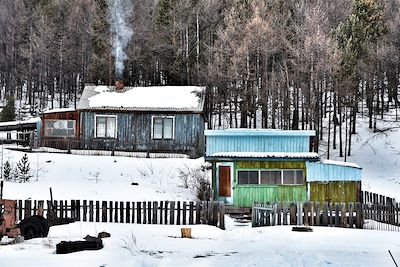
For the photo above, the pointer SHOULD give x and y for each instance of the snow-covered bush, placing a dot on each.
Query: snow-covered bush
(23, 169)
(197, 179)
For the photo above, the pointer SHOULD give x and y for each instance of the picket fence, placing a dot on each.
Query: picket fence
(143, 212)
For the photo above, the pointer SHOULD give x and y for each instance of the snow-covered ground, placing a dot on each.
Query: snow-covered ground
(152, 245)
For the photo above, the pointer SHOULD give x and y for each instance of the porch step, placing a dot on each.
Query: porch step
(235, 210)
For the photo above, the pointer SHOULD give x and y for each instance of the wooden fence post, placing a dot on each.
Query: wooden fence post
(359, 220)
(155, 211)
(91, 211)
(172, 213)
(104, 211)
(121, 212)
(325, 218)
(110, 211)
(128, 212)
(139, 212)
(191, 210)
(97, 209)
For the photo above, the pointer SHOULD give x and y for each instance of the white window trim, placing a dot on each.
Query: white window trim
(162, 117)
(116, 125)
(259, 176)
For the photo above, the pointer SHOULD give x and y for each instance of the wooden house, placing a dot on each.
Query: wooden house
(275, 165)
(164, 119)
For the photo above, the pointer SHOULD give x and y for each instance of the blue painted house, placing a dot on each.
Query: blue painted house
(275, 165)
(162, 119)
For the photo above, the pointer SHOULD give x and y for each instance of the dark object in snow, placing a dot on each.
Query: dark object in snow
(33, 227)
(134, 183)
(302, 229)
(103, 235)
(90, 243)
(48, 161)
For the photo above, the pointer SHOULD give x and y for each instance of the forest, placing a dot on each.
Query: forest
(288, 64)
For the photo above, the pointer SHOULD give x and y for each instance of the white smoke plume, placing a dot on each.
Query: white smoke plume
(119, 13)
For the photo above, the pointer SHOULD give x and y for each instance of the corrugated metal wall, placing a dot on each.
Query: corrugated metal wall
(136, 128)
(320, 172)
(217, 144)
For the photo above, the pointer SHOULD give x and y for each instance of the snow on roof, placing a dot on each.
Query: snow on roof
(57, 110)
(340, 163)
(163, 98)
(29, 121)
(258, 132)
(270, 155)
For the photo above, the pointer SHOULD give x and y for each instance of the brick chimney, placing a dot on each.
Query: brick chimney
(119, 85)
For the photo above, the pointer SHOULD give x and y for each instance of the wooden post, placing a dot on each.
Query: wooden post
(155, 211)
(359, 218)
(133, 212)
(78, 209)
(139, 212)
(121, 212)
(85, 211)
(166, 213)
(337, 218)
(161, 208)
(97, 211)
(343, 213)
(325, 218)
(172, 213)
(28, 208)
(186, 232)
(128, 212)
(104, 211)
(111, 203)
(144, 213)
(198, 212)
(116, 211)
(351, 219)
(279, 213)
(149, 212)
(191, 210)
(222, 215)
(284, 213)
(90, 210)
(41, 208)
(306, 208)
(62, 209)
(292, 214)
(178, 213)
(317, 214)
(184, 207)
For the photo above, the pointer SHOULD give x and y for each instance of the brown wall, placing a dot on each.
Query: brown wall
(69, 115)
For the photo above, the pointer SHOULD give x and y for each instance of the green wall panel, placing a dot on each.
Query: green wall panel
(245, 195)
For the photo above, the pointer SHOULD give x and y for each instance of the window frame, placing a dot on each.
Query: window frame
(106, 116)
(60, 136)
(281, 177)
(162, 118)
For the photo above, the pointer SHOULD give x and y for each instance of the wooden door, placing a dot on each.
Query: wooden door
(224, 181)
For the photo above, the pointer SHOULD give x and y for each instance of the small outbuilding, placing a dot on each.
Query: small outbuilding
(261, 165)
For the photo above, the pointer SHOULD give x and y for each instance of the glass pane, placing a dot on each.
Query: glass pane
(157, 128)
(243, 177)
(111, 124)
(253, 177)
(100, 127)
(71, 124)
(168, 128)
(59, 132)
(270, 177)
(299, 177)
(288, 177)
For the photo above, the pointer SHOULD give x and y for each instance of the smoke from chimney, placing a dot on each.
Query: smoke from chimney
(119, 13)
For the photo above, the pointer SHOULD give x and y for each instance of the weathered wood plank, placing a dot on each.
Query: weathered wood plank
(84, 211)
(155, 212)
(116, 211)
(121, 212)
(139, 212)
(172, 213)
(325, 211)
(184, 207)
(198, 211)
(343, 215)
(111, 208)
(133, 212)
(128, 212)
(317, 214)
(90, 210)
(104, 211)
(149, 213)
(97, 211)
(191, 212)
(144, 213)
(337, 218)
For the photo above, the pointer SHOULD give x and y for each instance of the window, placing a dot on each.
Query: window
(271, 177)
(163, 128)
(106, 126)
(247, 177)
(59, 128)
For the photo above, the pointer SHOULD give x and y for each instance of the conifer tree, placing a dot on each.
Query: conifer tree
(7, 171)
(24, 169)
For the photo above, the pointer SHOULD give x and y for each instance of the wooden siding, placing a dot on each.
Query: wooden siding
(134, 129)
(335, 191)
(245, 195)
(216, 144)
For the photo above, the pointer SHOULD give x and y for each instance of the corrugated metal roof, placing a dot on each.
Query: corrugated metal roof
(258, 132)
(91, 91)
(266, 155)
(326, 172)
